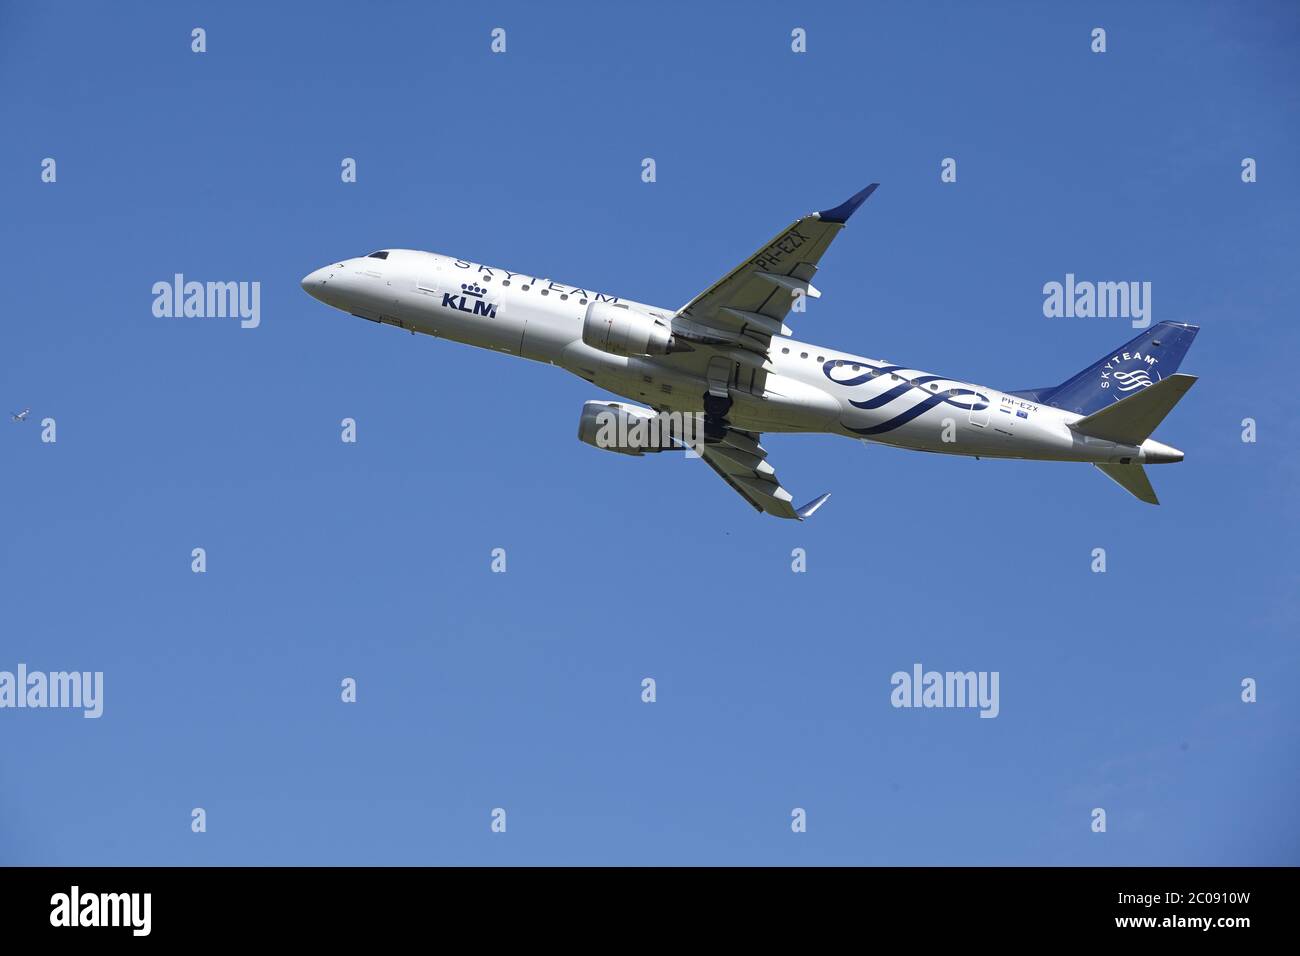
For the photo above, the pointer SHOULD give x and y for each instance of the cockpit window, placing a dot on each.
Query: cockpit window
(383, 254)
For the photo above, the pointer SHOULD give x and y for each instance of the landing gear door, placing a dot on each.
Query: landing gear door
(719, 375)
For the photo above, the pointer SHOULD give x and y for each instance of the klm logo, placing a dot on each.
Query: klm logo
(470, 293)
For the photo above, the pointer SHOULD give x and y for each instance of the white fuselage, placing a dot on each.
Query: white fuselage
(807, 388)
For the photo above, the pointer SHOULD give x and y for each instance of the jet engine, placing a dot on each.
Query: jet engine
(626, 429)
(619, 329)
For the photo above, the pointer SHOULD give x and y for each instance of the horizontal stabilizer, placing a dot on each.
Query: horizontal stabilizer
(1133, 479)
(1133, 419)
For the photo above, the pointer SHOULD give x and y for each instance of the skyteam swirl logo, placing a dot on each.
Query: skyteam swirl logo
(966, 399)
(1128, 381)
(1140, 373)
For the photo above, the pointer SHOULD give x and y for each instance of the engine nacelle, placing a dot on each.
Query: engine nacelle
(619, 329)
(626, 429)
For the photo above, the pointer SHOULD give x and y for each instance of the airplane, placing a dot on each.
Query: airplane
(727, 358)
(20, 416)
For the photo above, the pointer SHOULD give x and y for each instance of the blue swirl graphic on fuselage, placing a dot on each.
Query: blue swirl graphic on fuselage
(977, 403)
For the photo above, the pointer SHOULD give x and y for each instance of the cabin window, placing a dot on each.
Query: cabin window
(505, 281)
(785, 351)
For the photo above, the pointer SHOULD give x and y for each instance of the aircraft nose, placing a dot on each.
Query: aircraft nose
(314, 282)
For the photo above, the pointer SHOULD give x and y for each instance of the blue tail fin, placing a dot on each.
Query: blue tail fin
(1145, 360)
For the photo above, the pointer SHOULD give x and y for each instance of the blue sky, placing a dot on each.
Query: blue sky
(522, 690)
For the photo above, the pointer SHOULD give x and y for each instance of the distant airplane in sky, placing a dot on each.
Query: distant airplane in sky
(726, 357)
(21, 416)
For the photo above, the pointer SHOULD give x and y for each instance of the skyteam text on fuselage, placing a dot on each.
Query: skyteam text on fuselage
(727, 358)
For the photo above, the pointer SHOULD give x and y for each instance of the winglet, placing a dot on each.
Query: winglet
(845, 209)
(807, 510)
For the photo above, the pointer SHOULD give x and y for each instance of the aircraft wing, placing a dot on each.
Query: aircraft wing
(741, 312)
(742, 462)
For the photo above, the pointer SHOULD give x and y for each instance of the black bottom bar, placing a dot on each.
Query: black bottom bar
(206, 905)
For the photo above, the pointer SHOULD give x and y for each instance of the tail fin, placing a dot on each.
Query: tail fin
(1133, 479)
(1134, 419)
(1144, 361)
